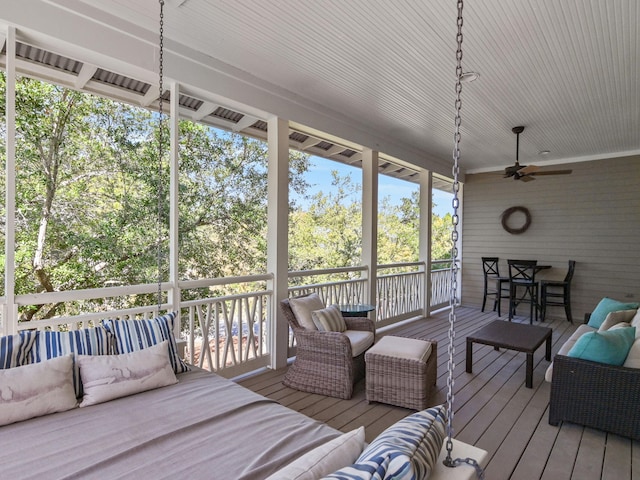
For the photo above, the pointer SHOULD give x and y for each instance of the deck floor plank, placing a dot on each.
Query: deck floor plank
(493, 408)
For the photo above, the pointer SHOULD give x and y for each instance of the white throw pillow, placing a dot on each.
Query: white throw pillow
(37, 389)
(107, 377)
(302, 308)
(327, 458)
(614, 318)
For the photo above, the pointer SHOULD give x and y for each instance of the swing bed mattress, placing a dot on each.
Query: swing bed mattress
(204, 426)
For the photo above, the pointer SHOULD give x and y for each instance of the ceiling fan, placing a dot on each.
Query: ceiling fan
(527, 172)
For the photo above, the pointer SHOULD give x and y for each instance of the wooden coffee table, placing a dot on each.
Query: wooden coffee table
(512, 336)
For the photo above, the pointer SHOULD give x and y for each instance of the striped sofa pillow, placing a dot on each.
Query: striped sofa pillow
(85, 341)
(329, 319)
(15, 349)
(133, 335)
(407, 450)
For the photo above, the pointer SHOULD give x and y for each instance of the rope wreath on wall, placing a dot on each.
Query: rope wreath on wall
(510, 211)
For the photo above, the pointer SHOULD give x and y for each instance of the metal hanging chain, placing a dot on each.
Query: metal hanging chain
(453, 297)
(160, 151)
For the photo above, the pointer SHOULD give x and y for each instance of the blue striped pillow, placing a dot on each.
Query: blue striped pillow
(85, 341)
(407, 450)
(14, 349)
(133, 335)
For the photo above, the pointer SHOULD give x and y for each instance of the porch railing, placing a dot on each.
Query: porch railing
(226, 322)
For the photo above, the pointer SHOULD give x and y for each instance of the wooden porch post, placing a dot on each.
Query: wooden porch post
(9, 310)
(370, 223)
(424, 235)
(173, 294)
(278, 235)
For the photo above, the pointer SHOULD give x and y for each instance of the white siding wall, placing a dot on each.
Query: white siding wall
(591, 216)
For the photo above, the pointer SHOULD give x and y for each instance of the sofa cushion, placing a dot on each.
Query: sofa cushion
(302, 308)
(401, 347)
(360, 340)
(606, 306)
(633, 357)
(614, 318)
(329, 319)
(610, 347)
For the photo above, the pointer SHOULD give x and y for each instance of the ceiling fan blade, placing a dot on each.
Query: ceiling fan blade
(527, 178)
(527, 169)
(552, 172)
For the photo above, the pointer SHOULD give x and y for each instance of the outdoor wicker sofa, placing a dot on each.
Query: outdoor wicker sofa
(597, 394)
(324, 362)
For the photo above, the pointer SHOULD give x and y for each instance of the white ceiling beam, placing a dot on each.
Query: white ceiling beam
(309, 142)
(245, 122)
(151, 96)
(206, 109)
(86, 72)
(336, 149)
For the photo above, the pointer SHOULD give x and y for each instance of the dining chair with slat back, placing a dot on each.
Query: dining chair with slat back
(557, 293)
(495, 285)
(523, 287)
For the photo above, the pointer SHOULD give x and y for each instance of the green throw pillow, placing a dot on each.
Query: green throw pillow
(605, 307)
(610, 347)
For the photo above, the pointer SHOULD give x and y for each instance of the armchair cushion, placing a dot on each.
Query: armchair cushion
(302, 307)
(329, 319)
(360, 341)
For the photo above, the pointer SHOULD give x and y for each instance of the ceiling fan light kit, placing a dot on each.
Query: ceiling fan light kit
(527, 172)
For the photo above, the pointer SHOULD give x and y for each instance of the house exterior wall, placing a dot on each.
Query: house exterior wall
(591, 216)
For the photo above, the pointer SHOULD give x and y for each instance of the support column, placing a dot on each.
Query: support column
(278, 235)
(10, 310)
(370, 223)
(424, 235)
(173, 294)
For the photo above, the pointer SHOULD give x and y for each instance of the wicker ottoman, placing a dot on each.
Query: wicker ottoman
(401, 371)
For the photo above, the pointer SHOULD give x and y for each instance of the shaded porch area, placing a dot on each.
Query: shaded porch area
(493, 409)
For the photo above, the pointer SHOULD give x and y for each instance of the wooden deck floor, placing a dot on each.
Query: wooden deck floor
(493, 409)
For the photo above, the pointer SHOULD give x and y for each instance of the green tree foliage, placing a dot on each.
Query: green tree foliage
(88, 188)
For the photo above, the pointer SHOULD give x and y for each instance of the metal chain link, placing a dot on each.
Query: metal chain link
(160, 151)
(453, 298)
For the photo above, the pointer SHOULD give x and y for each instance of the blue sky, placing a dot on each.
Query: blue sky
(319, 178)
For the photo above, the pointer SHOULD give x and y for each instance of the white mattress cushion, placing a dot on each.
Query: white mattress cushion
(360, 340)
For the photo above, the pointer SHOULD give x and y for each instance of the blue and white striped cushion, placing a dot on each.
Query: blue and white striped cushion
(408, 450)
(85, 341)
(14, 349)
(133, 335)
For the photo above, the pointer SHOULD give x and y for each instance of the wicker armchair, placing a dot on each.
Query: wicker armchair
(595, 395)
(324, 363)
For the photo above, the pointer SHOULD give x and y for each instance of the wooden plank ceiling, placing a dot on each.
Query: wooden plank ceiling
(567, 70)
